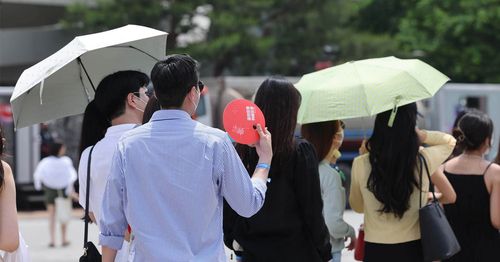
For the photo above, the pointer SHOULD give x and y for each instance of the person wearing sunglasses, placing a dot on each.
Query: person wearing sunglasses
(173, 201)
(118, 106)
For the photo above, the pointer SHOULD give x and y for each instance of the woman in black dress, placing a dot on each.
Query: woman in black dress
(475, 216)
(290, 226)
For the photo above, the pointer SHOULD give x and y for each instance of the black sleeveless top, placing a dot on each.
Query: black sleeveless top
(469, 218)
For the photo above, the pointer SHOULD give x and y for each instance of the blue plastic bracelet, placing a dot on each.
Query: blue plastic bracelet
(263, 165)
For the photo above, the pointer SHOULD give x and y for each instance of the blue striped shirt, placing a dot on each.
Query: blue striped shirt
(167, 180)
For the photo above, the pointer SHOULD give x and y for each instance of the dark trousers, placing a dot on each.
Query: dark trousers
(407, 252)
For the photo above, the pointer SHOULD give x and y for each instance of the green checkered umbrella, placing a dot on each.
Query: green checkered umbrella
(365, 88)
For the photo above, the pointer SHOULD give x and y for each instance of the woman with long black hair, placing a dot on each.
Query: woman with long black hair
(118, 106)
(290, 226)
(385, 184)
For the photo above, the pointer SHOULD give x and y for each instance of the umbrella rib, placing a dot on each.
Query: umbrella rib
(363, 88)
(140, 50)
(86, 73)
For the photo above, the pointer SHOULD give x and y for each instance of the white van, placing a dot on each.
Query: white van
(442, 109)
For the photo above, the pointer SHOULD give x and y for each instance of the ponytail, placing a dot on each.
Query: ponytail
(152, 106)
(94, 126)
(462, 141)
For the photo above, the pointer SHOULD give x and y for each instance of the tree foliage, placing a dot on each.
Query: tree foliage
(172, 16)
(459, 37)
(246, 37)
(289, 36)
(382, 16)
(285, 36)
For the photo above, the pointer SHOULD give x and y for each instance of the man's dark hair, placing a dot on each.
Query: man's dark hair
(173, 78)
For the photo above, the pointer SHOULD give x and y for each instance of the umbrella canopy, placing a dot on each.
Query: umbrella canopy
(64, 83)
(365, 88)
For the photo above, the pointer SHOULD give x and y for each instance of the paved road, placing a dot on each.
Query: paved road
(34, 227)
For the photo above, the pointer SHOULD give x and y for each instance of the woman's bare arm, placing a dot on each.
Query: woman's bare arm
(448, 195)
(9, 229)
(494, 173)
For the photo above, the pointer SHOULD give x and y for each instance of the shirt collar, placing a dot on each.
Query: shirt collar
(324, 161)
(167, 114)
(119, 129)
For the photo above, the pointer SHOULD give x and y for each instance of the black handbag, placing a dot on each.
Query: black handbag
(438, 239)
(90, 252)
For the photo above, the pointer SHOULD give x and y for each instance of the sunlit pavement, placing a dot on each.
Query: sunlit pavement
(35, 229)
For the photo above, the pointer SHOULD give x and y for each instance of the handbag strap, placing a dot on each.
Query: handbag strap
(87, 217)
(423, 163)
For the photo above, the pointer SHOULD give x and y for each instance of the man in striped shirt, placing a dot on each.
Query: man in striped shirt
(169, 177)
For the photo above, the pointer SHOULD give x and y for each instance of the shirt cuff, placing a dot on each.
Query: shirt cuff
(352, 232)
(260, 184)
(113, 242)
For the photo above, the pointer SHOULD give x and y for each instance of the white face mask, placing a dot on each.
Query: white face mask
(196, 104)
(144, 102)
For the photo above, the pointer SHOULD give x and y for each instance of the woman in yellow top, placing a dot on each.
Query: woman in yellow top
(385, 184)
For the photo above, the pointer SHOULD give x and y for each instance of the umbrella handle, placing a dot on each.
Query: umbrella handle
(390, 123)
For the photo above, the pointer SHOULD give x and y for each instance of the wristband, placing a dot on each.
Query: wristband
(263, 166)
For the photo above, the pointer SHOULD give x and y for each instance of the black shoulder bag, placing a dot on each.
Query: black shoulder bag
(90, 252)
(438, 239)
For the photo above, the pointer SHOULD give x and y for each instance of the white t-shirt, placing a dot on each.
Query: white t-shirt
(55, 173)
(99, 168)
